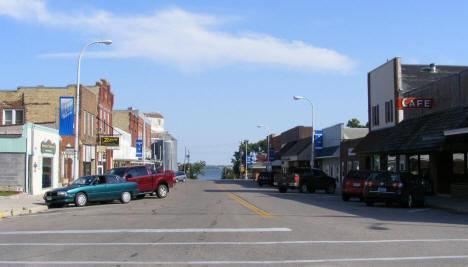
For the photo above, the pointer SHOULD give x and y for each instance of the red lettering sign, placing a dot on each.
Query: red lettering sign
(414, 103)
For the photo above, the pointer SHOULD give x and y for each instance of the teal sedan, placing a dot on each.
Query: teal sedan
(90, 189)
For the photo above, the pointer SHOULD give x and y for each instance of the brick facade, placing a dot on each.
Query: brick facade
(41, 106)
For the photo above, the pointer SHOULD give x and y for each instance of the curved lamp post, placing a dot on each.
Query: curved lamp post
(77, 163)
(312, 146)
(268, 139)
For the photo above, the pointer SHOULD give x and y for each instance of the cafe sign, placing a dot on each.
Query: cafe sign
(110, 141)
(48, 147)
(414, 103)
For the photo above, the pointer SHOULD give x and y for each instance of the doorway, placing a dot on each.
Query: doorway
(46, 172)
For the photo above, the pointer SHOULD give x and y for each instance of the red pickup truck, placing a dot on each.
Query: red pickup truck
(147, 180)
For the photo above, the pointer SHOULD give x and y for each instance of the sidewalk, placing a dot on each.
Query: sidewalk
(21, 204)
(447, 203)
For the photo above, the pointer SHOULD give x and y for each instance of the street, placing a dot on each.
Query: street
(236, 223)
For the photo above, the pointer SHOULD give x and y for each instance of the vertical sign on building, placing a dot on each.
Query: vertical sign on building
(66, 115)
(318, 140)
(139, 148)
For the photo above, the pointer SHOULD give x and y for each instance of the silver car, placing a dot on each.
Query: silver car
(180, 176)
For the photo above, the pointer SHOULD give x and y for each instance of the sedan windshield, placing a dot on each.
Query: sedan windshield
(83, 180)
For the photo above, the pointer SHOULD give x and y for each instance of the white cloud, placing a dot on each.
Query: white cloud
(189, 41)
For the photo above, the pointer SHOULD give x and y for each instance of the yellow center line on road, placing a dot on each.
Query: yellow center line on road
(246, 204)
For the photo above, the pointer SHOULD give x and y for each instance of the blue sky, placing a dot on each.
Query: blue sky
(216, 69)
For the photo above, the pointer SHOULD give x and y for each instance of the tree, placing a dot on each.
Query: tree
(193, 169)
(239, 155)
(354, 123)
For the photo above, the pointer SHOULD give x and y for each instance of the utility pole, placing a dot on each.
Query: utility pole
(246, 166)
(188, 161)
(185, 156)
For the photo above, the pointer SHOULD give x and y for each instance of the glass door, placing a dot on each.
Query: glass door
(46, 172)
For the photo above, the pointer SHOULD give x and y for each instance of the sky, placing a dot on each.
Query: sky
(217, 69)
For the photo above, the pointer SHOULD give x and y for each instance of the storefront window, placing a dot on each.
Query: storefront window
(376, 163)
(46, 172)
(391, 163)
(458, 163)
(355, 165)
(424, 165)
(413, 164)
(402, 162)
(86, 168)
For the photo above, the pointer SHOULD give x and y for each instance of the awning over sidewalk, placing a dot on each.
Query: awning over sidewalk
(328, 152)
(298, 151)
(419, 134)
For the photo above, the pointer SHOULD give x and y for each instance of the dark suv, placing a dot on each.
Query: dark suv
(389, 187)
(307, 180)
(265, 178)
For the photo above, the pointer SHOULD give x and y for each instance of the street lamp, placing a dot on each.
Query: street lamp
(77, 164)
(268, 140)
(312, 146)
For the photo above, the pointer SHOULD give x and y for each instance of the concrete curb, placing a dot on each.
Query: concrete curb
(23, 211)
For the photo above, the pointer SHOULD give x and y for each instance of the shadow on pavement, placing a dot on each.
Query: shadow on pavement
(354, 208)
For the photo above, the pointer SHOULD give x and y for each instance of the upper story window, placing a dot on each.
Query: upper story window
(375, 115)
(389, 111)
(13, 116)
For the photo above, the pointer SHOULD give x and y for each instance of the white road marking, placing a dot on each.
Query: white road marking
(186, 230)
(422, 258)
(239, 243)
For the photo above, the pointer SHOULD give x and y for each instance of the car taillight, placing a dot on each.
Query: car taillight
(368, 183)
(296, 178)
(397, 185)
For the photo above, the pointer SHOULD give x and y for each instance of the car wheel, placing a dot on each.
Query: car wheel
(283, 189)
(303, 188)
(311, 189)
(81, 199)
(361, 199)
(126, 197)
(369, 203)
(345, 197)
(330, 189)
(409, 201)
(161, 191)
(260, 184)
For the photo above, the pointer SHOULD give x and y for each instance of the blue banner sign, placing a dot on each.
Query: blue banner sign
(139, 148)
(318, 140)
(249, 159)
(66, 115)
(272, 154)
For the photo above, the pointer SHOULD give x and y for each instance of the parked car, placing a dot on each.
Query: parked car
(353, 183)
(389, 187)
(180, 176)
(90, 189)
(265, 178)
(148, 180)
(306, 180)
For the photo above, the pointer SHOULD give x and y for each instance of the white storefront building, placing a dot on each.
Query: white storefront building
(29, 158)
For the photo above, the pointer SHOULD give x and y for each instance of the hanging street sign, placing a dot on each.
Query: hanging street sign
(139, 148)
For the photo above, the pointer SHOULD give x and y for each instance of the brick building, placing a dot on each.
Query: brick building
(105, 104)
(135, 123)
(40, 105)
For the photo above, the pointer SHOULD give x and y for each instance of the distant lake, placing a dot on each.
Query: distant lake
(211, 174)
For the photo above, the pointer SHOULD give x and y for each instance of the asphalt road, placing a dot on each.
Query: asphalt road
(236, 223)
